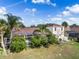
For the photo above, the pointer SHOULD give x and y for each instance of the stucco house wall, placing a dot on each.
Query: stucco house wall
(58, 30)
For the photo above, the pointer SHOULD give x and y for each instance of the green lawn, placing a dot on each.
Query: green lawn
(65, 51)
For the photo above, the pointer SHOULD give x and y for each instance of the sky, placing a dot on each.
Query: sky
(35, 12)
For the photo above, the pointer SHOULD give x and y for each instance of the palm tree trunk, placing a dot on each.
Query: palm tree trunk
(10, 36)
(3, 45)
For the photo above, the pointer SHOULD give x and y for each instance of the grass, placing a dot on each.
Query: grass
(66, 51)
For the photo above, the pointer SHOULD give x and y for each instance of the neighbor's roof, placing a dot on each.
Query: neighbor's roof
(24, 31)
(74, 28)
(49, 25)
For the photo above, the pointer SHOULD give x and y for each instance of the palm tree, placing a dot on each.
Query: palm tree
(3, 27)
(13, 21)
(21, 25)
(65, 24)
(47, 33)
(43, 29)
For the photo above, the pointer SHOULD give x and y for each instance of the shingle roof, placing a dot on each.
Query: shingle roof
(74, 28)
(48, 25)
(24, 31)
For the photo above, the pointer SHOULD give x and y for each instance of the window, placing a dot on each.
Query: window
(61, 28)
(55, 28)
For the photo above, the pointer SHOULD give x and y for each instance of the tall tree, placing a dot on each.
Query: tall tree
(65, 24)
(21, 25)
(13, 21)
(74, 25)
(3, 27)
(42, 28)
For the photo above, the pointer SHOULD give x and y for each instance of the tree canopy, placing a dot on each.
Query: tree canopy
(65, 24)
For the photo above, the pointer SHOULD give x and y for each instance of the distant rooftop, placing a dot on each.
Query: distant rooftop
(54, 25)
(25, 31)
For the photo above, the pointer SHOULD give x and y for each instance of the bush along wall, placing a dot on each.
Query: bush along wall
(18, 44)
(40, 40)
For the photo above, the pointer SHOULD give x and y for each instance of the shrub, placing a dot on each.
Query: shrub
(44, 41)
(36, 41)
(1, 51)
(17, 44)
(52, 39)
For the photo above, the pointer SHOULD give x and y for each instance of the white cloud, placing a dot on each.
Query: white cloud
(70, 11)
(3, 10)
(33, 21)
(40, 20)
(74, 19)
(56, 19)
(30, 11)
(27, 10)
(38, 1)
(34, 10)
(66, 13)
(44, 2)
(73, 9)
(69, 20)
(21, 21)
(48, 15)
(59, 15)
(3, 17)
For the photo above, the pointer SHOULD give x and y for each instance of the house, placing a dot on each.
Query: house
(74, 28)
(67, 28)
(57, 30)
(74, 31)
(26, 32)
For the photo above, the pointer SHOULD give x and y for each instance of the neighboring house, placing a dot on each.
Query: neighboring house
(74, 28)
(57, 30)
(67, 28)
(66, 31)
(74, 31)
(26, 32)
